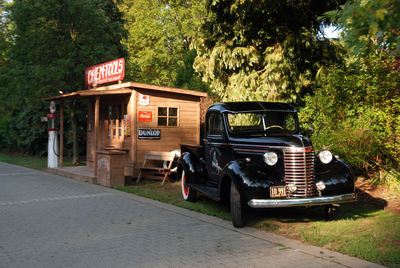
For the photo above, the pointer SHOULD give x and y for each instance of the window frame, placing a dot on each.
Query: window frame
(168, 116)
(220, 133)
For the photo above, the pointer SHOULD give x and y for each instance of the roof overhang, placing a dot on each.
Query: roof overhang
(121, 89)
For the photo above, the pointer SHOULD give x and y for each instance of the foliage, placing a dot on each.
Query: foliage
(369, 24)
(185, 75)
(355, 110)
(263, 50)
(53, 43)
(159, 36)
(4, 28)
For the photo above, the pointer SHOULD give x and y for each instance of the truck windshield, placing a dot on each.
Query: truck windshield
(261, 122)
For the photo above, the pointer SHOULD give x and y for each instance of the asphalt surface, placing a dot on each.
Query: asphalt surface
(52, 221)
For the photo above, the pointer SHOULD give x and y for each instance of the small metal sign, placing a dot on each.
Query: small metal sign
(144, 99)
(145, 116)
(149, 134)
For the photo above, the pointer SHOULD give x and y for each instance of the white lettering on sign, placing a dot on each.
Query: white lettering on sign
(105, 72)
(145, 116)
(154, 134)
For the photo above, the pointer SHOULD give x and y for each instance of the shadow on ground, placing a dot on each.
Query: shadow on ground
(363, 208)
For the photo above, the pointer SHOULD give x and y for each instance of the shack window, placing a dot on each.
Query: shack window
(115, 122)
(168, 116)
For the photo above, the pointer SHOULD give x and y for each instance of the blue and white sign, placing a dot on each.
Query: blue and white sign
(149, 134)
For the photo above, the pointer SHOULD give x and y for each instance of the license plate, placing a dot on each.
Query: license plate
(277, 191)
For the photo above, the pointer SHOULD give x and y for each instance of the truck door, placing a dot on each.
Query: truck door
(214, 147)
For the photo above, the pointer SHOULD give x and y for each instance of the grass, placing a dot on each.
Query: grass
(170, 193)
(39, 163)
(361, 231)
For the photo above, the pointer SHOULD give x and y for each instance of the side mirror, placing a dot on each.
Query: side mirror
(310, 130)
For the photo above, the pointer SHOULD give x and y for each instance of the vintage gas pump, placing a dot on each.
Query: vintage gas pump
(52, 120)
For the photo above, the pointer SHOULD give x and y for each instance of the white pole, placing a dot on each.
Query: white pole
(52, 150)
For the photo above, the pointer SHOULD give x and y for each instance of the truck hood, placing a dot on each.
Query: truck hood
(280, 140)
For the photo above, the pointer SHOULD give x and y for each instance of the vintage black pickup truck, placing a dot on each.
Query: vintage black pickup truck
(254, 156)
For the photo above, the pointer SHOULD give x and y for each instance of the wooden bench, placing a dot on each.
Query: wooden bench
(152, 168)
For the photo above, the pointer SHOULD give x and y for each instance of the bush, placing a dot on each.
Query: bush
(355, 110)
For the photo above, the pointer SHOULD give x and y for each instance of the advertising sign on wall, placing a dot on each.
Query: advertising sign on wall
(144, 99)
(145, 116)
(149, 134)
(104, 73)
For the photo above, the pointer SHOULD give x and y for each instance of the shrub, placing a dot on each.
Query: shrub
(355, 111)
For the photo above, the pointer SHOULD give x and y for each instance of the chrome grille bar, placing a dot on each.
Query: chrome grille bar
(299, 169)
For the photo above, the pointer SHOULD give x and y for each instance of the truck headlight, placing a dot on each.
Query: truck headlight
(270, 158)
(325, 156)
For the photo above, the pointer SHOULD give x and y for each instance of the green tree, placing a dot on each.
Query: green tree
(5, 43)
(160, 33)
(263, 50)
(55, 40)
(355, 110)
(4, 31)
(185, 75)
(369, 24)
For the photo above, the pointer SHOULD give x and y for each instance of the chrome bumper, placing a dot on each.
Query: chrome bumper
(302, 202)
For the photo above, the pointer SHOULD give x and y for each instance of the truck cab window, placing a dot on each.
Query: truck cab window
(215, 124)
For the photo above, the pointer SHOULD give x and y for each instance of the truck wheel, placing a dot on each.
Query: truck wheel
(188, 193)
(237, 209)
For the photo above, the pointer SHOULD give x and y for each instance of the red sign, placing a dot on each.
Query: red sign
(106, 72)
(145, 116)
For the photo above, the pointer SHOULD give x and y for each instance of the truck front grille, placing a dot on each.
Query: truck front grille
(299, 169)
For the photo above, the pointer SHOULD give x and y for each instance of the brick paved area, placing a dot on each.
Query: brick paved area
(51, 221)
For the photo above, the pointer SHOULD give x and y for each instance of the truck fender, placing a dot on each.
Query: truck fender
(192, 165)
(248, 178)
(336, 175)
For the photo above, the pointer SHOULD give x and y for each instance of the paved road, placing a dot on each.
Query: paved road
(51, 221)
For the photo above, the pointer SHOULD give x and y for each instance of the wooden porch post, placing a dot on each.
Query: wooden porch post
(61, 151)
(96, 130)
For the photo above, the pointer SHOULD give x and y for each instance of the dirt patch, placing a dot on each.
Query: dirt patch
(377, 195)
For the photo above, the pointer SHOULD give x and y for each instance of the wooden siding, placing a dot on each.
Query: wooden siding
(187, 131)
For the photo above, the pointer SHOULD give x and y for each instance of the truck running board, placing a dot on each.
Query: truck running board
(211, 192)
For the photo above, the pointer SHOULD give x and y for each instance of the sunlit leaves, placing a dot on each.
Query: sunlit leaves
(369, 24)
(355, 110)
(262, 50)
(159, 34)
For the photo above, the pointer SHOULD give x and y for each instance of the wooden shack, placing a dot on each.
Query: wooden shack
(136, 118)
